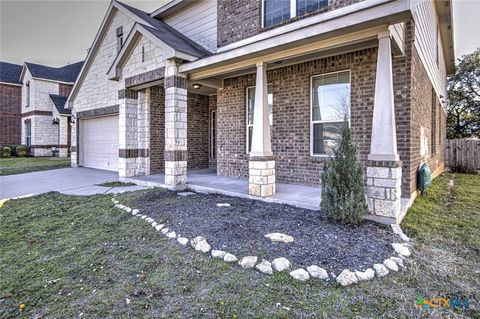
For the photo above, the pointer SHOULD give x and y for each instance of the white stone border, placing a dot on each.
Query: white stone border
(346, 277)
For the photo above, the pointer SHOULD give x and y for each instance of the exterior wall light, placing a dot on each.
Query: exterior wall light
(197, 86)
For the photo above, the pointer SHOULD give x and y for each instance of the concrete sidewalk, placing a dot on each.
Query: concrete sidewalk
(72, 181)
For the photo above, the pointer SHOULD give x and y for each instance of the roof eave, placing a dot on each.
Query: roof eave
(445, 18)
(169, 8)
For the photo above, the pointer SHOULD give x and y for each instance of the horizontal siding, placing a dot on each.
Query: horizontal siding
(425, 17)
(198, 21)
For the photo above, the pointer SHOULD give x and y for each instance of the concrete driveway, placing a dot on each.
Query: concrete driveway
(75, 181)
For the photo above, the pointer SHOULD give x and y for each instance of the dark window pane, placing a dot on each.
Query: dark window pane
(306, 6)
(276, 11)
(250, 131)
(326, 137)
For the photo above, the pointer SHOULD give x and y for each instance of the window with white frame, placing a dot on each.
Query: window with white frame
(27, 102)
(250, 112)
(330, 104)
(278, 11)
(213, 133)
(28, 133)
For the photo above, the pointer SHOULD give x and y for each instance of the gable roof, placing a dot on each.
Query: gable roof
(59, 102)
(169, 35)
(138, 16)
(67, 73)
(10, 73)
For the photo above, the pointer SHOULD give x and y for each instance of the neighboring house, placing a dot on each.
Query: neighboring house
(259, 89)
(45, 120)
(10, 103)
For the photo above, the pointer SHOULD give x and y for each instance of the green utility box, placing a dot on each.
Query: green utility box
(424, 178)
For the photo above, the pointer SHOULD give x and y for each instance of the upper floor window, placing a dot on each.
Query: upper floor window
(330, 107)
(27, 102)
(119, 38)
(307, 6)
(278, 11)
(250, 112)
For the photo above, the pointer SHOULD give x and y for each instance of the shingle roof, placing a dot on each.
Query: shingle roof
(169, 35)
(10, 73)
(59, 102)
(67, 73)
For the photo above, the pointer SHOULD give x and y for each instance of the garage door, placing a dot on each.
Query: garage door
(99, 143)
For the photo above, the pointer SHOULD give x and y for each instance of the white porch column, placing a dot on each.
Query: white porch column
(383, 145)
(384, 169)
(176, 152)
(261, 162)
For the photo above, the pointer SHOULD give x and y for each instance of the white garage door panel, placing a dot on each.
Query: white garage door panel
(100, 143)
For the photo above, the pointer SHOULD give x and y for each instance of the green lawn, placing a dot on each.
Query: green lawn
(65, 256)
(19, 165)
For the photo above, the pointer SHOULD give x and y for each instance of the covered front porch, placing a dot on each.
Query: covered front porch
(207, 181)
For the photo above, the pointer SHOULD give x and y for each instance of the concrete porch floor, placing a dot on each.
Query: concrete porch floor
(207, 181)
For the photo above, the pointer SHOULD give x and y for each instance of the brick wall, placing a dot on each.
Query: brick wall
(157, 132)
(427, 114)
(212, 106)
(197, 131)
(10, 114)
(241, 19)
(291, 116)
(197, 134)
(64, 89)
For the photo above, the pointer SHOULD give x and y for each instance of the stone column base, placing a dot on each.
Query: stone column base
(176, 174)
(261, 176)
(383, 190)
(127, 167)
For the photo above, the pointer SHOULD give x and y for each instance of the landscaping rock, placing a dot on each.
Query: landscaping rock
(121, 206)
(248, 262)
(398, 261)
(229, 258)
(279, 237)
(300, 274)
(365, 275)
(183, 241)
(346, 278)
(143, 217)
(265, 267)
(196, 240)
(317, 272)
(128, 209)
(171, 234)
(397, 230)
(390, 264)
(380, 270)
(223, 205)
(164, 231)
(218, 254)
(154, 224)
(401, 249)
(185, 194)
(135, 212)
(159, 227)
(203, 246)
(280, 264)
(149, 220)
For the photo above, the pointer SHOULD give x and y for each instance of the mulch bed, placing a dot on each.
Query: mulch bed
(241, 229)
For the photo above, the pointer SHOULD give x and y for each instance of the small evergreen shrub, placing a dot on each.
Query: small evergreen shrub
(22, 150)
(343, 195)
(5, 151)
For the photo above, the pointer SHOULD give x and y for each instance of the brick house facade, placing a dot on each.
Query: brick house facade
(10, 104)
(254, 92)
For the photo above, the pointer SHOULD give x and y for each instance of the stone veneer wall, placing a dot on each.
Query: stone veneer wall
(157, 129)
(241, 19)
(10, 114)
(197, 131)
(212, 106)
